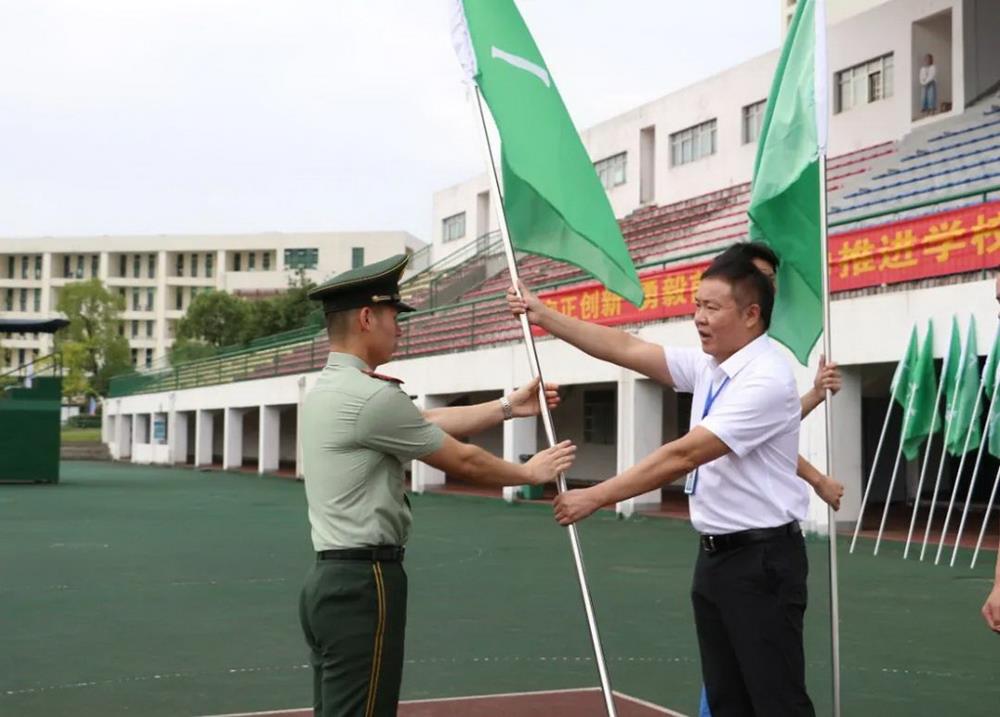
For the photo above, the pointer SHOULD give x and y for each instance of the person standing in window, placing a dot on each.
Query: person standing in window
(928, 85)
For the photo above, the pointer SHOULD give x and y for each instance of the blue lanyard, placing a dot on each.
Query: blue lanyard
(691, 483)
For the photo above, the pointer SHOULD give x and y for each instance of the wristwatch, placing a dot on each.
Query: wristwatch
(508, 410)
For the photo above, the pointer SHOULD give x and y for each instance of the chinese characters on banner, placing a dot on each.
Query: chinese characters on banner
(953, 242)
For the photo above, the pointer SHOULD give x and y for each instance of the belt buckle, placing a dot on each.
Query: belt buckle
(708, 542)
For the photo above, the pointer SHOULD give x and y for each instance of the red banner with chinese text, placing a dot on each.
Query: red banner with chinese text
(952, 242)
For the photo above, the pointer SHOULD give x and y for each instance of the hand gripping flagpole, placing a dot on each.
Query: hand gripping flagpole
(536, 372)
(828, 414)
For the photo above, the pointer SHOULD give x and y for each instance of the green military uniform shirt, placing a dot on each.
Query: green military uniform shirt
(357, 431)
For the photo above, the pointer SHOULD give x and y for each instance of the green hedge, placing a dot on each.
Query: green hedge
(82, 421)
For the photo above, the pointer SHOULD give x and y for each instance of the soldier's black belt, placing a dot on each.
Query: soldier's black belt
(719, 543)
(375, 554)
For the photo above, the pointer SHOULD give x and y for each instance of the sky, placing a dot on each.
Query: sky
(238, 116)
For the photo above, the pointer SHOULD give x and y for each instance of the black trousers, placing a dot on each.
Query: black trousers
(353, 614)
(749, 604)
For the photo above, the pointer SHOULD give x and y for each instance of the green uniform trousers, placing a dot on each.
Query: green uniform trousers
(353, 613)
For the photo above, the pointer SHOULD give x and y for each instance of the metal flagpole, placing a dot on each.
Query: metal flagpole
(975, 470)
(927, 455)
(961, 463)
(878, 453)
(986, 519)
(536, 372)
(895, 469)
(949, 414)
(828, 414)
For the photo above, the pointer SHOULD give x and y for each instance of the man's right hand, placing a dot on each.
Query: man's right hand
(545, 466)
(831, 491)
(527, 302)
(991, 609)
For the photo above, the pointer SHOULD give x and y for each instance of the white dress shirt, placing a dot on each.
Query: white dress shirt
(757, 415)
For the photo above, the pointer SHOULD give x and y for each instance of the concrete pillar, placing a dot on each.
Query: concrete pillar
(424, 476)
(298, 428)
(640, 431)
(232, 439)
(520, 436)
(124, 438)
(269, 437)
(203, 428)
(177, 432)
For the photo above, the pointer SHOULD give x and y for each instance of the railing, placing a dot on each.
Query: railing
(48, 365)
(306, 349)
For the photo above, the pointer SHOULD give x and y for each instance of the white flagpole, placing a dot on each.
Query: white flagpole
(948, 422)
(927, 454)
(895, 465)
(536, 372)
(975, 469)
(986, 519)
(965, 453)
(878, 453)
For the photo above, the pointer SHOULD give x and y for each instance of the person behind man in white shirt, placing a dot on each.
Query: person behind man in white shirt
(740, 456)
(928, 85)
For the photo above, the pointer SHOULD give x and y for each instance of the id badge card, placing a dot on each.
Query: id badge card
(690, 483)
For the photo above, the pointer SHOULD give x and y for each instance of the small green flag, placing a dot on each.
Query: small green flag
(901, 377)
(922, 392)
(963, 400)
(990, 382)
(785, 196)
(555, 204)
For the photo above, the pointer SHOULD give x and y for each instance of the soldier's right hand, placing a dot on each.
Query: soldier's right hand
(545, 466)
(527, 302)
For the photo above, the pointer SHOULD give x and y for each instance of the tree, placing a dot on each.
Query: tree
(215, 319)
(93, 350)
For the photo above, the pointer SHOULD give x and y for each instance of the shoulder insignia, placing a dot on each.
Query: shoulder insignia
(382, 377)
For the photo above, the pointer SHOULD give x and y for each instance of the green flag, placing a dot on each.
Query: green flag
(555, 204)
(990, 382)
(904, 369)
(785, 195)
(963, 399)
(921, 395)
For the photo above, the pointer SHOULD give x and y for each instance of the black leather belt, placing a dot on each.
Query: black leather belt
(719, 543)
(374, 554)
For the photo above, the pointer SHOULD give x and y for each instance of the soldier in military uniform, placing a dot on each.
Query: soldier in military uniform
(358, 429)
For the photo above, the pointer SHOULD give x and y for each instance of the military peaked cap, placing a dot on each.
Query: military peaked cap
(368, 285)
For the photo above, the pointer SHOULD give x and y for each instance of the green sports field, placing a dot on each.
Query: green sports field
(127, 590)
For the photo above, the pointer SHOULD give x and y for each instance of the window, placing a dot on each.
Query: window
(863, 84)
(24, 267)
(301, 258)
(692, 144)
(38, 300)
(20, 357)
(357, 256)
(24, 300)
(753, 118)
(149, 299)
(179, 303)
(208, 265)
(136, 266)
(9, 300)
(180, 265)
(122, 265)
(11, 262)
(135, 328)
(599, 416)
(151, 270)
(265, 260)
(237, 262)
(611, 171)
(135, 357)
(453, 227)
(67, 270)
(251, 261)
(149, 329)
(95, 264)
(194, 265)
(149, 358)
(135, 299)
(38, 267)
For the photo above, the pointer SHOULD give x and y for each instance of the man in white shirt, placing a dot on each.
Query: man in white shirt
(991, 608)
(740, 456)
(928, 85)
